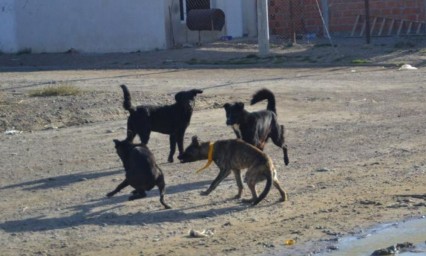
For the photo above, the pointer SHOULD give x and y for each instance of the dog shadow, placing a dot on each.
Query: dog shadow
(87, 215)
(69, 179)
(63, 180)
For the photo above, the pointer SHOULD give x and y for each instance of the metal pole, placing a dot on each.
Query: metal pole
(367, 21)
(262, 27)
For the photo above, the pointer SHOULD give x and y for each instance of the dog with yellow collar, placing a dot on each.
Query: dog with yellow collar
(235, 155)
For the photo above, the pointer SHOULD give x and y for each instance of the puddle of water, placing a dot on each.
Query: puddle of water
(413, 231)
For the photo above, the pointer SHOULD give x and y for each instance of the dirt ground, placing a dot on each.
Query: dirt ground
(356, 138)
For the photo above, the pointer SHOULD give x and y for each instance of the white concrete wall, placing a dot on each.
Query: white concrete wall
(233, 16)
(7, 26)
(98, 26)
(250, 18)
(89, 25)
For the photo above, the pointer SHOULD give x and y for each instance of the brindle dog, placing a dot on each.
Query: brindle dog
(142, 172)
(235, 155)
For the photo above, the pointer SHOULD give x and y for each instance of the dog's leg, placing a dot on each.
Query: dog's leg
(162, 188)
(252, 187)
(144, 135)
(138, 195)
(119, 187)
(223, 173)
(278, 186)
(172, 140)
(179, 140)
(277, 136)
(237, 174)
(130, 135)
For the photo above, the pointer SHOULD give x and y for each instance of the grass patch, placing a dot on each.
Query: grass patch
(56, 90)
(360, 61)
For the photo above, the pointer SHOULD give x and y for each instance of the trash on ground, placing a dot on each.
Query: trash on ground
(203, 233)
(12, 132)
(289, 242)
(407, 67)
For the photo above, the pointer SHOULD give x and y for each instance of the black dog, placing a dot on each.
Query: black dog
(169, 119)
(142, 173)
(257, 127)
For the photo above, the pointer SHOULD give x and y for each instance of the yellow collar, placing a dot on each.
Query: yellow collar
(209, 157)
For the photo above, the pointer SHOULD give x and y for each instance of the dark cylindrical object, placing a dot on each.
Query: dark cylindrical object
(205, 19)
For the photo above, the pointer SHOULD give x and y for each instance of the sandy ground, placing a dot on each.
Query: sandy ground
(356, 137)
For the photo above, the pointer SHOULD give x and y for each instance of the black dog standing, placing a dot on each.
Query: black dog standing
(168, 119)
(142, 173)
(256, 128)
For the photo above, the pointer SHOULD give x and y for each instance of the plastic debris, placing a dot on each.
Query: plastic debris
(407, 67)
(203, 233)
(12, 132)
(289, 242)
(226, 38)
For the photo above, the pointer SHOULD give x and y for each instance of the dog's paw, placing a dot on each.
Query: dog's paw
(204, 193)
(247, 201)
(170, 160)
(110, 194)
(282, 200)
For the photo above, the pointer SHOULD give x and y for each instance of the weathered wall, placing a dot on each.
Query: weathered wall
(87, 26)
(7, 26)
(303, 15)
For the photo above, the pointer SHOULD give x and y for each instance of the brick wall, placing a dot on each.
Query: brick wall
(302, 16)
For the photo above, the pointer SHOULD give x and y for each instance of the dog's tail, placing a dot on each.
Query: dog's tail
(265, 192)
(127, 104)
(265, 94)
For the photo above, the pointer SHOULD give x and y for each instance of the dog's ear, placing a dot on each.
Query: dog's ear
(195, 141)
(239, 105)
(226, 106)
(180, 96)
(117, 143)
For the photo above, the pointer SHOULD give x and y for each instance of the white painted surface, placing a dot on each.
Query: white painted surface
(90, 25)
(7, 26)
(233, 16)
(100, 26)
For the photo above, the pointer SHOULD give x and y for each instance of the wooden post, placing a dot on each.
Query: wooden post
(367, 22)
(262, 27)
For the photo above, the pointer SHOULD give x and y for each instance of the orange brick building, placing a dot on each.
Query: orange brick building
(287, 17)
